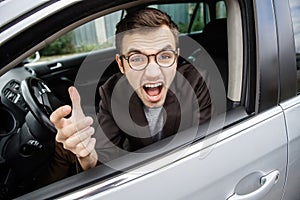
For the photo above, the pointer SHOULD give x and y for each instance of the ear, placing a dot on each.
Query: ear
(120, 63)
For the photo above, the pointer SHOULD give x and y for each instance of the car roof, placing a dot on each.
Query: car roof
(13, 9)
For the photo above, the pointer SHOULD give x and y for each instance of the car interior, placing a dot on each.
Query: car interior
(218, 44)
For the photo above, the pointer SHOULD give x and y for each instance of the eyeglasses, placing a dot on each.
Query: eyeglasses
(139, 61)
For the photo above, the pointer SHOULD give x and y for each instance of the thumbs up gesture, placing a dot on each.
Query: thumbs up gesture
(75, 132)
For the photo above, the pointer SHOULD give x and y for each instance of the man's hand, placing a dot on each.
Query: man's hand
(75, 133)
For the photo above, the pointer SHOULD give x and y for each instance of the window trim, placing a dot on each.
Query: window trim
(89, 175)
(286, 51)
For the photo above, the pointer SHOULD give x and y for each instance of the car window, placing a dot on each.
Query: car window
(295, 12)
(192, 17)
(98, 34)
(220, 10)
(94, 35)
(216, 51)
(181, 14)
(208, 29)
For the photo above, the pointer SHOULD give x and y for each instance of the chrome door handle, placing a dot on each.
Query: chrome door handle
(266, 182)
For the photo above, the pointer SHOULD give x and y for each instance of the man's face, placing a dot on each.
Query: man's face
(150, 84)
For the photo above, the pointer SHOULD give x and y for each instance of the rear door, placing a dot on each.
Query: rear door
(289, 33)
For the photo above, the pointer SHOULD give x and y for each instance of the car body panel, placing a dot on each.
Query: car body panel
(10, 12)
(33, 19)
(215, 171)
(288, 91)
(291, 112)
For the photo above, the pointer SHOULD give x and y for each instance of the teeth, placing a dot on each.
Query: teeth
(153, 85)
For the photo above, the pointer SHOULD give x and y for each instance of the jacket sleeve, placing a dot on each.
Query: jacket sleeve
(199, 81)
(203, 96)
(63, 164)
(109, 137)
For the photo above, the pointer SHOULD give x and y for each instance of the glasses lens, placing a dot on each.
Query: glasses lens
(165, 58)
(138, 61)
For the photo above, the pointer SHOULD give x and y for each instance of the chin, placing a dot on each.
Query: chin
(159, 103)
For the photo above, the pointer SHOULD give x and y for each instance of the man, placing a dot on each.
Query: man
(158, 97)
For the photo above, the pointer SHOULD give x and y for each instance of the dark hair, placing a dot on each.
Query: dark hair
(144, 19)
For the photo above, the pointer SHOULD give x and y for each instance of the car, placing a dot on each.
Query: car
(250, 149)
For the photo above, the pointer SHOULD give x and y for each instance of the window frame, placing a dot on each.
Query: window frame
(287, 76)
(94, 174)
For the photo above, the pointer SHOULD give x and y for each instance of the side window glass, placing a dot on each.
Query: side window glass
(182, 14)
(220, 10)
(201, 17)
(192, 17)
(93, 35)
(295, 12)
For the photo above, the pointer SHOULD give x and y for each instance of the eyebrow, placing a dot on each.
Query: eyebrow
(133, 50)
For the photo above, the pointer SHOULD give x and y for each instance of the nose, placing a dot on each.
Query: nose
(153, 69)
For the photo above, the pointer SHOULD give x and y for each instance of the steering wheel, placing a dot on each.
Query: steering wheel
(33, 145)
(40, 100)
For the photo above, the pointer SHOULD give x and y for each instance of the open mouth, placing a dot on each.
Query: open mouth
(153, 91)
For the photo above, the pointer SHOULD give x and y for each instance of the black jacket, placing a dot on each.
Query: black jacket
(122, 122)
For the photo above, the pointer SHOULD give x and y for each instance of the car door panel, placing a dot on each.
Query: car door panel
(247, 151)
(291, 111)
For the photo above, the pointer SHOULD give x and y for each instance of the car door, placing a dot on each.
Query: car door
(243, 155)
(246, 159)
(246, 162)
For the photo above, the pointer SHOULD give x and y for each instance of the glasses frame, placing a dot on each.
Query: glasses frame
(148, 59)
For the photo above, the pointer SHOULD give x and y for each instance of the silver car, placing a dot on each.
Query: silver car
(249, 150)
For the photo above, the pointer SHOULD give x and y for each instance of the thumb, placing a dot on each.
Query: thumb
(77, 112)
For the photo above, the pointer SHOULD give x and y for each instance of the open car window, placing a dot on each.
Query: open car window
(95, 35)
(211, 39)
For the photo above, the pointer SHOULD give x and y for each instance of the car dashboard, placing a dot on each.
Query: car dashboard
(13, 107)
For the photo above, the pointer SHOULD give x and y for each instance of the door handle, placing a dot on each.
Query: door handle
(266, 182)
(55, 66)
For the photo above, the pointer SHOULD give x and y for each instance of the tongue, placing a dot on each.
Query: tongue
(153, 91)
